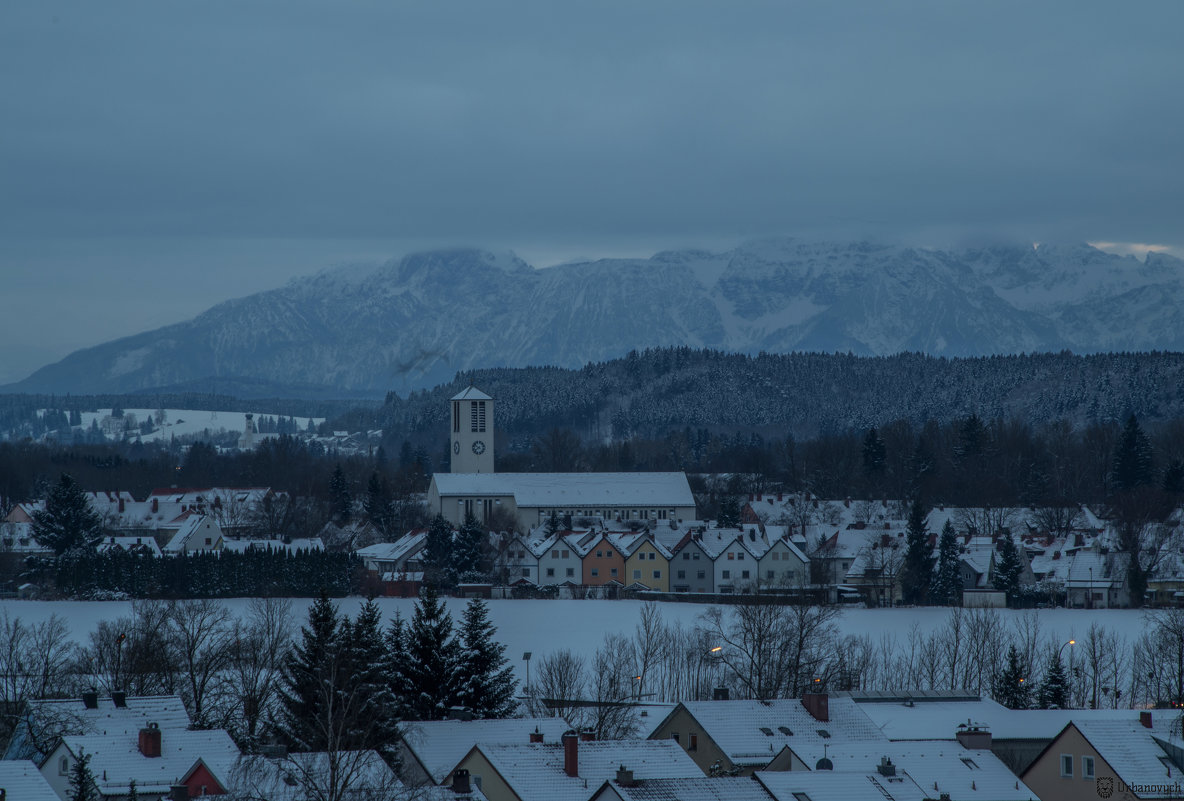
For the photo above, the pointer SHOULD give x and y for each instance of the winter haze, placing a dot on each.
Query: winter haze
(159, 159)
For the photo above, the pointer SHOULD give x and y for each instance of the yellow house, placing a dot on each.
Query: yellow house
(1134, 758)
(646, 562)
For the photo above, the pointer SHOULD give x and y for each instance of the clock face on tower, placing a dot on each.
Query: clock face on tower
(478, 447)
(456, 447)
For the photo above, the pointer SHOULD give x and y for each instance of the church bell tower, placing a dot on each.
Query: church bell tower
(471, 417)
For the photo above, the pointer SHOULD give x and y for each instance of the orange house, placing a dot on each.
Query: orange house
(602, 561)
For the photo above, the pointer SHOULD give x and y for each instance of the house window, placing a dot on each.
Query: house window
(208, 540)
(599, 554)
(727, 574)
(657, 574)
(613, 572)
(550, 571)
(1066, 766)
(609, 553)
(595, 572)
(769, 574)
(694, 745)
(682, 574)
(637, 574)
(526, 572)
(565, 554)
(695, 556)
(731, 556)
(571, 571)
(674, 736)
(686, 555)
(743, 574)
(702, 574)
(776, 556)
(1087, 768)
(970, 763)
(740, 556)
(64, 767)
(555, 554)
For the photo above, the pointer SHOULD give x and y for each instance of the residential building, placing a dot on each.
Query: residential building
(626, 787)
(647, 562)
(429, 751)
(21, 781)
(602, 561)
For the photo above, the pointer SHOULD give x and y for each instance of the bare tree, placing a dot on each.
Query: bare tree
(1059, 519)
(560, 680)
(35, 662)
(259, 647)
(201, 635)
(985, 521)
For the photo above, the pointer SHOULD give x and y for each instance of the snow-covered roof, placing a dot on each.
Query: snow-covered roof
(825, 785)
(71, 716)
(1133, 750)
(471, 393)
(23, 782)
(199, 495)
(440, 745)
(116, 758)
(285, 779)
(145, 543)
(702, 788)
(939, 720)
(939, 766)
(535, 772)
(1090, 569)
(572, 490)
(393, 551)
(753, 732)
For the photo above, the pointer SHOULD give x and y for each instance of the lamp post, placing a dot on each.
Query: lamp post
(713, 657)
(526, 659)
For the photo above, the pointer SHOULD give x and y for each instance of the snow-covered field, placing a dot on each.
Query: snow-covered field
(184, 422)
(545, 626)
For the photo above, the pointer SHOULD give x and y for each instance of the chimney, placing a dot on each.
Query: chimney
(818, 705)
(719, 694)
(150, 740)
(588, 735)
(90, 699)
(460, 782)
(847, 502)
(886, 768)
(119, 698)
(973, 736)
(536, 736)
(1145, 718)
(883, 503)
(571, 754)
(778, 497)
(155, 505)
(121, 507)
(625, 777)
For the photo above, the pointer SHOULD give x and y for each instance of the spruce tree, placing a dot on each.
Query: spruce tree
(1132, 459)
(432, 655)
(309, 676)
(437, 553)
(340, 501)
(486, 682)
(82, 785)
(1008, 568)
(467, 549)
(1054, 689)
(874, 454)
(68, 522)
(917, 571)
(947, 580)
(397, 664)
(1011, 687)
(552, 525)
(373, 712)
(132, 793)
(378, 502)
(729, 511)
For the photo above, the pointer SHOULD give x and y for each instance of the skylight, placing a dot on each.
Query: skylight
(785, 730)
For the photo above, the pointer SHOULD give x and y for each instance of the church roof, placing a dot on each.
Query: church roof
(471, 393)
(570, 490)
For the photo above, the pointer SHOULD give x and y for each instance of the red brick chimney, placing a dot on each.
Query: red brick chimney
(571, 754)
(587, 735)
(121, 504)
(1145, 718)
(150, 740)
(818, 705)
(155, 505)
(536, 736)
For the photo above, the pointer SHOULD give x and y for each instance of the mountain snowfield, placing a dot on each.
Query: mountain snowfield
(414, 322)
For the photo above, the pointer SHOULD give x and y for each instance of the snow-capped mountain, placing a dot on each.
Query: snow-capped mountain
(414, 322)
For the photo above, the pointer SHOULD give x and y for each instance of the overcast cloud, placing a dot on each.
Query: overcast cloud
(157, 157)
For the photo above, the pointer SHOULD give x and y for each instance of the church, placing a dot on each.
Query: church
(474, 487)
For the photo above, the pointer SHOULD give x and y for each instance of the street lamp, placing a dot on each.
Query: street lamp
(1062, 649)
(526, 659)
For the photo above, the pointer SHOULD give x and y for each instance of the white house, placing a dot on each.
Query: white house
(197, 533)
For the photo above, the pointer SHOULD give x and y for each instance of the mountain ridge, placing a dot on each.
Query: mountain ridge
(415, 322)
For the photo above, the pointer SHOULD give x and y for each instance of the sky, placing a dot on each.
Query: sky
(159, 157)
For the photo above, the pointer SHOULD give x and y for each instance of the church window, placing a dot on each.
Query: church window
(477, 416)
(456, 417)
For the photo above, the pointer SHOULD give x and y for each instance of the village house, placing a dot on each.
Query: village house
(429, 751)
(647, 563)
(602, 560)
(199, 533)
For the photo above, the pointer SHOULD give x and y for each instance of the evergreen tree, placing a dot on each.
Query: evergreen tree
(1008, 568)
(311, 667)
(132, 793)
(339, 496)
(432, 659)
(729, 511)
(467, 549)
(486, 681)
(917, 571)
(1011, 686)
(1132, 459)
(374, 710)
(68, 522)
(1173, 478)
(82, 785)
(437, 553)
(947, 581)
(378, 502)
(874, 454)
(397, 664)
(553, 524)
(1054, 689)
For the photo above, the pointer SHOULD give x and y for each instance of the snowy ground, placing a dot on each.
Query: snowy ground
(545, 626)
(183, 422)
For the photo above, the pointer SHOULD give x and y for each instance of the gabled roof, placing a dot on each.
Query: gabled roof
(753, 732)
(470, 393)
(146, 544)
(938, 766)
(826, 785)
(1132, 750)
(187, 529)
(116, 758)
(23, 782)
(45, 719)
(535, 772)
(702, 788)
(394, 551)
(440, 745)
(572, 490)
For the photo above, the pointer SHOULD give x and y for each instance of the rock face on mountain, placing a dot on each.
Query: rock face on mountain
(414, 322)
